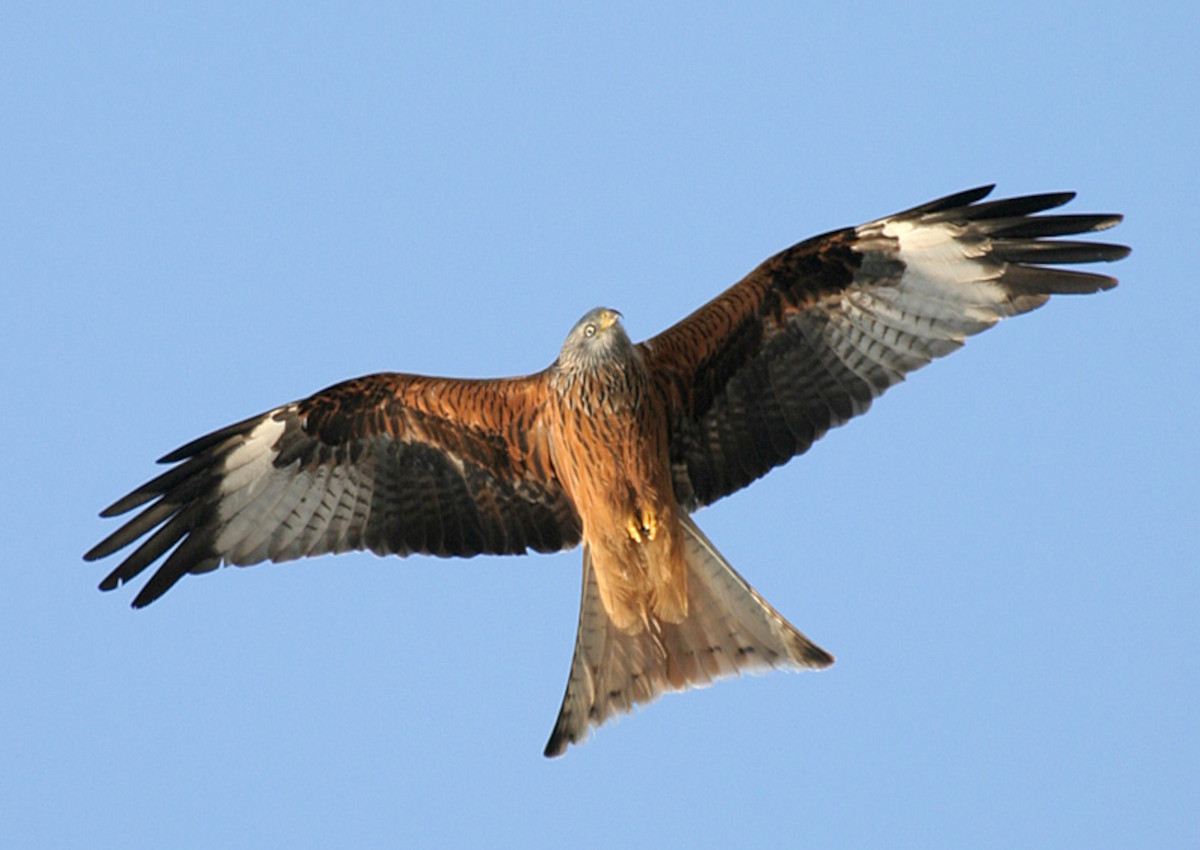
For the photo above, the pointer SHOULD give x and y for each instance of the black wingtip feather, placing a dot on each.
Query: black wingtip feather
(198, 445)
(127, 503)
(155, 546)
(1040, 281)
(166, 482)
(1045, 251)
(949, 202)
(193, 555)
(964, 206)
(131, 530)
(1022, 205)
(1025, 227)
(555, 747)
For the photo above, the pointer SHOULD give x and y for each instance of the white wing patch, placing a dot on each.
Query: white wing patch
(268, 512)
(923, 289)
(248, 473)
(940, 267)
(253, 458)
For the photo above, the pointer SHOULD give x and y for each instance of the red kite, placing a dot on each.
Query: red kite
(616, 444)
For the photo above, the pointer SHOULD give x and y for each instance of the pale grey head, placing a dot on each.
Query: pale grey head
(597, 339)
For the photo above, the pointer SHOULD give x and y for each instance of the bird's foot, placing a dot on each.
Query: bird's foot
(643, 528)
(649, 524)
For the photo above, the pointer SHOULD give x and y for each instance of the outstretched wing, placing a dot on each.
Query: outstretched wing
(390, 463)
(808, 339)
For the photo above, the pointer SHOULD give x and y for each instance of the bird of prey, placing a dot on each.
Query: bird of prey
(616, 444)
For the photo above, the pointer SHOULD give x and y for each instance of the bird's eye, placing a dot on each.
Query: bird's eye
(589, 330)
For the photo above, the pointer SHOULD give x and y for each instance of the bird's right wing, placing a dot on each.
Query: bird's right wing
(391, 463)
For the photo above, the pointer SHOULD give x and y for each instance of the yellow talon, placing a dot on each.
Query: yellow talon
(650, 524)
(644, 528)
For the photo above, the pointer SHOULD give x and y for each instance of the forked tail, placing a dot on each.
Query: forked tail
(729, 630)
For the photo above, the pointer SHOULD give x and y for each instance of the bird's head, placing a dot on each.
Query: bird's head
(596, 339)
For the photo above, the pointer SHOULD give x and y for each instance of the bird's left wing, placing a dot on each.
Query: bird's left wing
(391, 463)
(808, 339)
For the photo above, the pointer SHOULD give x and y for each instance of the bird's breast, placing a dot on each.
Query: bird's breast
(609, 447)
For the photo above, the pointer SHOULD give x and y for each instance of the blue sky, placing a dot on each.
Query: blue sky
(209, 212)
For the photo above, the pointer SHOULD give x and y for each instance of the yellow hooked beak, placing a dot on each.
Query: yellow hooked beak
(608, 318)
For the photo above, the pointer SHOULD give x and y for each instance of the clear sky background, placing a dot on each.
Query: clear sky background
(206, 213)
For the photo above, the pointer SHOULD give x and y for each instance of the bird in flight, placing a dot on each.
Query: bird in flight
(616, 444)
